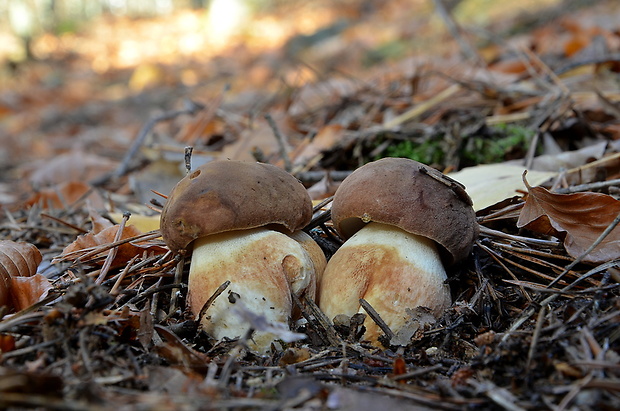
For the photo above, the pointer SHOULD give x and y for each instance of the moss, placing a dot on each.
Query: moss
(428, 152)
(489, 145)
(504, 142)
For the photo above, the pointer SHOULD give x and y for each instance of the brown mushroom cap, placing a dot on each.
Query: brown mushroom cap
(227, 195)
(409, 195)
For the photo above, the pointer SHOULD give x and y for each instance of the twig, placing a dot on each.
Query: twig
(498, 261)
(320, 318)
(372, 313)
(112, 253)
(535, 337)
(542, 289)
(174, 296)
(121, 277)
(466, 49)
(419, 109)
(151, 235)
(577, 387)
(606, 58)
(502, 212)
(588, 187)
(191, 108)
(418, 372)
(27, 350)
(84, 350)
(187, 156)
(155, 288)
(531, 310)
(65, 223)
(527, 240)
(288, 166)
(211, 299)
(498, 395)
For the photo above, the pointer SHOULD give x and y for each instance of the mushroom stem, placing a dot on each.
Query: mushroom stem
(391, 269)
(263, 266)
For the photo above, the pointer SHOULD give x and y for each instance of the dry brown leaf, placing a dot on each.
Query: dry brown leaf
(489, 184)
(325, 139)
(103, 233)
(19, 260)
(66, 167)
(323, 188)
(26, 291)
(63, 195)
(579, 219)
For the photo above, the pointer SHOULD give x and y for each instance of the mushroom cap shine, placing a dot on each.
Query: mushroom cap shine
(409, 195)
(228, 195)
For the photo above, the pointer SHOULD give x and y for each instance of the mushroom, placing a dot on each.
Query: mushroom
(242, 222)
(404, 222)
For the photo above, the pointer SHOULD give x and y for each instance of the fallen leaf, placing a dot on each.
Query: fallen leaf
(65, 194)
(322, 189)
(103, 233)
(579, 219)
(66, 167)
(488, 184)
(293, 355)
(20, 286)
(26, 291)
(143, 223)
(325, 139)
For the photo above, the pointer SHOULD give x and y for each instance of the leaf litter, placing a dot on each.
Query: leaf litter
(534, 323)
(579, 219)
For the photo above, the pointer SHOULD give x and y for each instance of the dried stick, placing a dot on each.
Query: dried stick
(174, 296)
(372, 313)
(545, 243)
(121, 277)
(588, 187)
(320, 317)
(531, 310)
(288, 166)
(211, 299)
(191, 108)
(187, 156)
(535, 337)
(112, 253)
(466, 49)
(421, 108)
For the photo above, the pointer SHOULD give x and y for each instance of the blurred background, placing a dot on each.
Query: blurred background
(83, 76)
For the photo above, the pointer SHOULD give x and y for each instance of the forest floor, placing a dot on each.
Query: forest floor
(104, 114)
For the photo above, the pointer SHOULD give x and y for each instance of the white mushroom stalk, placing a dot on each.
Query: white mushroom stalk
(391, 269)
(263, 266)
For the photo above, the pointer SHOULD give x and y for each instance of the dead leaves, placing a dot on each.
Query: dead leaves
(579, 219)
(103, 234)
(20, 285)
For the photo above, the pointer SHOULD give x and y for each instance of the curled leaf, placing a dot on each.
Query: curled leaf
(579, 219)
(20, 286)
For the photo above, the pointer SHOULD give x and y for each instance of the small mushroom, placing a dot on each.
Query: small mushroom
(403, 222)
(242, 222)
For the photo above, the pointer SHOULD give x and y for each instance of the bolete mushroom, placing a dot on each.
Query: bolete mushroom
(403, 222)
(242, 221)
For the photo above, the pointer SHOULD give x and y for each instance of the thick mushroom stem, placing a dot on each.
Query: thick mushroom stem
(264, 267)
(391, 269)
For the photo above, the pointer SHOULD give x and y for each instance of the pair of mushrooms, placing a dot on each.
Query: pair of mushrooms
(402, 221)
